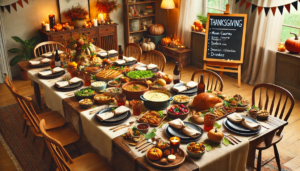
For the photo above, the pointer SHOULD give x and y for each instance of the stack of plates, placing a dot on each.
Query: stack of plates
(238, 128)
(171, 132)
(53, 75)
(126, 64)
(115, 120)
(189, 92)
(70, 87)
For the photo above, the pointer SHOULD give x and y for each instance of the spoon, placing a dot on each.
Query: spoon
(128, 124)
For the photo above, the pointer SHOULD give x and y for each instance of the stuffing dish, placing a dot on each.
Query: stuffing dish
(181, 98)
(86, 102)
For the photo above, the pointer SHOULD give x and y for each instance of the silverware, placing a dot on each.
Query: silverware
(264, 127)
(235, 138)
(140, 143)
(98, 109)
(229, 139)
(127, 125)
(121, 125)
(154, 143)
(143, 143)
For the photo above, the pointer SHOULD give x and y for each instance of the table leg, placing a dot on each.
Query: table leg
(251, 158)
(37, 93)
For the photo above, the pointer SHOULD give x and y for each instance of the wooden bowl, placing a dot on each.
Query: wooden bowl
(173, 116)
(134, 95)
(86, 106)
(104, 101)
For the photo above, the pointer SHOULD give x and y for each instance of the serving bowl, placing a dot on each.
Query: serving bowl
(84, 97)
(110, 83)
(156, 105)
(100, 101)
(195, 155)
(143, 130)
(179, 102)
(98, 88)
(85, 106)
(130, 95)
(113, 91)
(174, 116)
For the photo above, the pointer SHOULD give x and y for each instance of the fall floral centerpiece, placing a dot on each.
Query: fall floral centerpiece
(77, 14)
(107, 6)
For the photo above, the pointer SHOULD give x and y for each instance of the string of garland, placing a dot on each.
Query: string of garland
(14, 5)
(267, 9)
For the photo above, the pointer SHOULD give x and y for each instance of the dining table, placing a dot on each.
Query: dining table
(106, 142)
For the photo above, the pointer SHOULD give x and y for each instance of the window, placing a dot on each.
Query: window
(216, 6)
(291, 23)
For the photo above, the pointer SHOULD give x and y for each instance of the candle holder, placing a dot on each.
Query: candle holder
(51, 20)
(174, 143)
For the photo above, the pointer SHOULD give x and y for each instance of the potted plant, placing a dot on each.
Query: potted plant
(77, 15)
(25, 53)
(203, 19)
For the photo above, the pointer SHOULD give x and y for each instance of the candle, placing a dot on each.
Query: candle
(47, 27)
(51, 19)
(101, 18)
(43, 25)
(193, 27)
(174, 142)
(95, 21)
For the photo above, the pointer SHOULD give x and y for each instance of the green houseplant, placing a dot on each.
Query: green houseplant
(203, 19)
(25, 53)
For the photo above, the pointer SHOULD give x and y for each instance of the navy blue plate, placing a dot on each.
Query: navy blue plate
(109, 122)
(187, 92)
(126, 64)
(183, 140)
(51, 76)
(239, 127)
(71, 87)
(238, 132)
(178, 133)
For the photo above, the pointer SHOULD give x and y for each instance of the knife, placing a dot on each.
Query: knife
(141, 144)
(147, 149)
(145, 146)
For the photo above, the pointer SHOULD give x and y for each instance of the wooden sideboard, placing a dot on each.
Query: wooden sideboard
(104, 36)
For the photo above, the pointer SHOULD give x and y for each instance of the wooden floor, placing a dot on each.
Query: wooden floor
(289, 146)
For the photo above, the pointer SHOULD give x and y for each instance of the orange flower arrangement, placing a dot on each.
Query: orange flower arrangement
(107, 6)
(76, 13)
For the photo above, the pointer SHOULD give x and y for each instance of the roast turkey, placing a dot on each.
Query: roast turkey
(204, 101)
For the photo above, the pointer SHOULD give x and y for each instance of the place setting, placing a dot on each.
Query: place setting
(113, 115)
(68, 84)
(189, 88)
(126, 61)
(51, 73)
(39, 63)
(149, 67)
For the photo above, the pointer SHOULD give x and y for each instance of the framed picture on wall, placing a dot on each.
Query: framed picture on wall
(65, 5)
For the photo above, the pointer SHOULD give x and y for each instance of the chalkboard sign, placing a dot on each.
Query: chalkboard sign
(225, 37)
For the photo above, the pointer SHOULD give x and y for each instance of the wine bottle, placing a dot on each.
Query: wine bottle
(120, 52)
(201, 86)
(176, 74)
(57, 60)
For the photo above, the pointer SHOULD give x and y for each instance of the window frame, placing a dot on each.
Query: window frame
(219, 9)
(295, 27)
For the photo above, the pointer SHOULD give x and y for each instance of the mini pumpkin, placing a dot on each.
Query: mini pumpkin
(281, 47)
(215, 135)
(165, 41)
(198, 23)
(147, 45)
(155, 154)
(292, 44)
(58, 27)
(156, 29)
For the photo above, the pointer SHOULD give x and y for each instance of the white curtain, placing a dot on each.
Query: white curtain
(262, 37)
(4, 64)
(188, 11)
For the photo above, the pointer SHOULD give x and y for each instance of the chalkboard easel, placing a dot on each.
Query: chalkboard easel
(224, 42)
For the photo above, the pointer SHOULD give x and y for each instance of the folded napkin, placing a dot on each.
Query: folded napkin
(180, 88)
(179, 124)
(236, 118)
(66, 83)
(120, 61)
(49, 54)
(102, 53)
(250, 125)
(36, 62)
(110, 52)
(54, 70)
(191, 84)
(108, 115)
(141, 68)
(129, 59)
(151, 66)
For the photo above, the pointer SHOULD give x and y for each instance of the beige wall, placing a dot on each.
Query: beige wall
(26, 22)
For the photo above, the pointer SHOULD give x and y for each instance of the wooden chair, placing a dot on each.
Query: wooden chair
(212, 80)
(86, 162)
(156, 57)
(133, 50)
(65, 134)
(275, 95)
(53, 119)
(47, 46)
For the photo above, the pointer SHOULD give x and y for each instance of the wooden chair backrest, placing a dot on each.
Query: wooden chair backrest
(212, 80)
(47, 46)
(156, 57)
(133, 50)
(275, 95)
(8, 83)
(57, 151)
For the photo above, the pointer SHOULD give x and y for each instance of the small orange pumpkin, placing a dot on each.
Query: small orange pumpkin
(215, 135)
(58, 27)
(155, 154)
(165, 41)
(292, 44)
(198, 23)
(281, 47)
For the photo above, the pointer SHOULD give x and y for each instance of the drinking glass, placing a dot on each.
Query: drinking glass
(121, 99)
(209, 122)
(52, 63)
(137, 107)
(74, 73)
(87, 79)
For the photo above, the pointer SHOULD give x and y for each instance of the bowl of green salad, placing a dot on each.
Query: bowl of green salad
(85, 93)
(139, 75)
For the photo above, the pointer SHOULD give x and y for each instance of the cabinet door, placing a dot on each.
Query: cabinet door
(107, 42)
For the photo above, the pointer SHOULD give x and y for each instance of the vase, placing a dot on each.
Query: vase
(78, 23)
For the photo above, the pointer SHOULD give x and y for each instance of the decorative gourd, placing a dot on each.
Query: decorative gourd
(292, 44)
(58, 27)
(215, 135)
(173, 43)
(147, 45)
(198, 23)
(281, 47)
(154, 154)
(157, 29)
(165, 41)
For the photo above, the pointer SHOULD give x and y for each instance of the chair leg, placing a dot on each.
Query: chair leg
(277, 157)
(24, 125)
(26, 131)
(77, 148)
(259, 161)
(43, 148)
(50, 163)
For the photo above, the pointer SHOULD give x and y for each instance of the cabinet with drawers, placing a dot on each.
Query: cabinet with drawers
(103, 36)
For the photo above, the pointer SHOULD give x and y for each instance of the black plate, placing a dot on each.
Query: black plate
(183, 140)
(238, 132)
(111, 123)
(71, 87)
(181, 135)
(116, 118)
(239, 127)
(187, 92)
(126, 64)
(51, 76)
(108, 56)
(41, 65)
(154, 70)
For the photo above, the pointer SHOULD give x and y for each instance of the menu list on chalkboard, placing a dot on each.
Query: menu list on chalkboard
(225, 37)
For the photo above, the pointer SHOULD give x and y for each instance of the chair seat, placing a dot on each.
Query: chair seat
(275, 140)
(53, 119)
(89, 162)
(66, 134)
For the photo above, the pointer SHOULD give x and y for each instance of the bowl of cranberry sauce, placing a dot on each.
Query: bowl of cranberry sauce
(143, 127)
